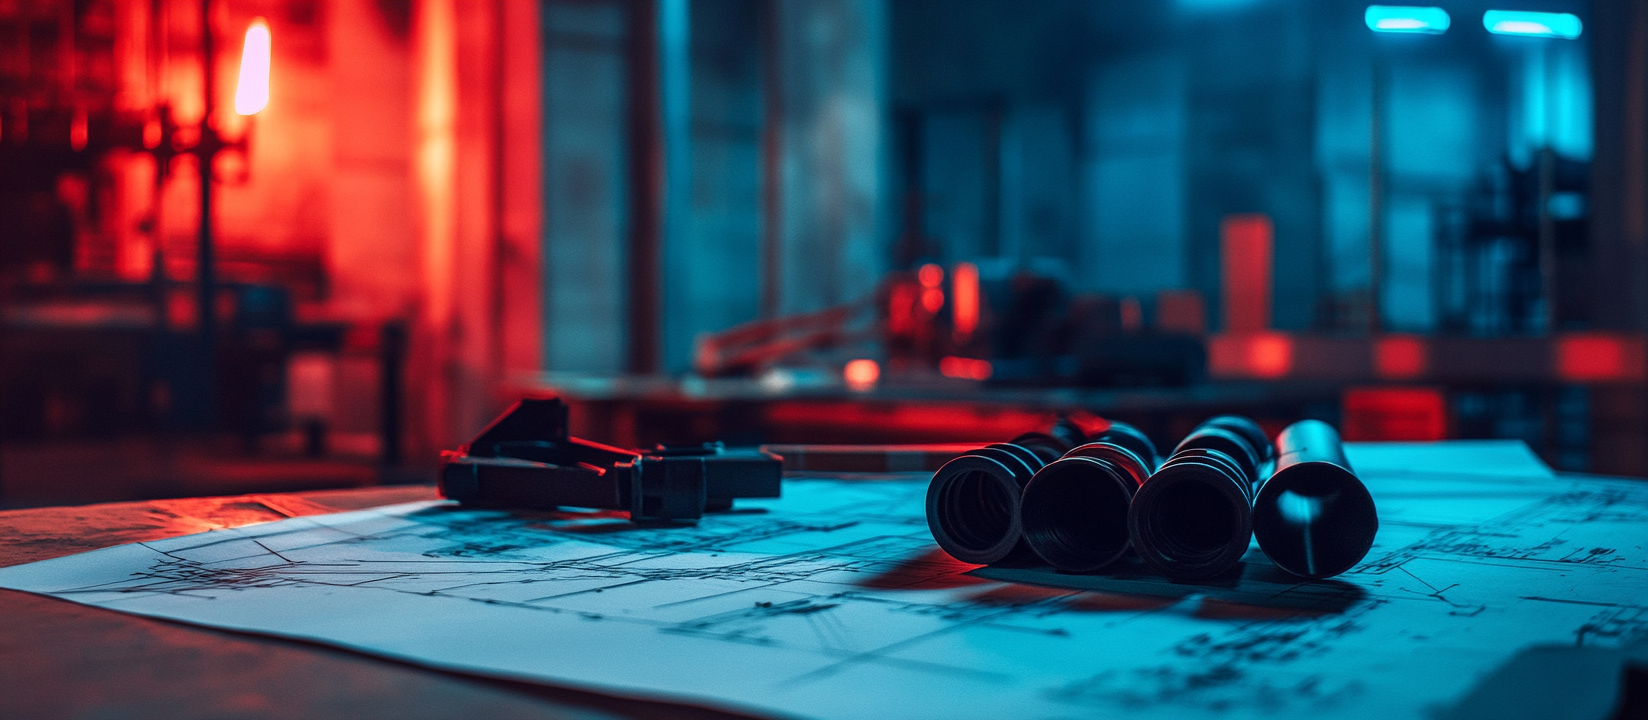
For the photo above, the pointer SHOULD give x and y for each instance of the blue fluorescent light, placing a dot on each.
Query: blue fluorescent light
(1533, 24)
(1403, 19)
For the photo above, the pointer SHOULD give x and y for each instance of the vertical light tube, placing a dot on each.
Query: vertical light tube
(252, 92)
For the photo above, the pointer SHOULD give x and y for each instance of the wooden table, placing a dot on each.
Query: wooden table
(61, 659)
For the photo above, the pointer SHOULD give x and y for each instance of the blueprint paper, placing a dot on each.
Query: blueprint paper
(833, 602)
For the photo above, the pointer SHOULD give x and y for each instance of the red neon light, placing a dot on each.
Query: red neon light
(930, 275)
(964, 368)
(1399, 357)
(932, 300)
(861, 374)
(1246, 241)
(906, 422)
(252, 95)
(1260, 355)
(964, 290)
(1269, 355)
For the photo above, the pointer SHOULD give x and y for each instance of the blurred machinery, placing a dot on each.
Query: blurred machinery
(1015, 328)
(85, 352)
(197, 355)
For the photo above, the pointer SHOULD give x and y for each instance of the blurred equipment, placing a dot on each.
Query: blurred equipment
(61, 132)
(1017, 326)
(526, 460)
(1313, 517)
(749, 348)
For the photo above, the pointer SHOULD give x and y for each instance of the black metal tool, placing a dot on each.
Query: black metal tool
(526, 459)
(1193, 518)
(1313, 517)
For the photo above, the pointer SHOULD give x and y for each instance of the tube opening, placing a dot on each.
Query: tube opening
(1192, 521)
(977, 512)
(1315, 520)
(1076, 519)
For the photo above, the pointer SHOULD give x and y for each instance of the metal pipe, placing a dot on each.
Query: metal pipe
(206, 265)
(392, 361)
(1376, 195)
(646, 189)
(1313, 517)
(1233, 445)
(973, 503)
(1127, 436)
(1193, 518)
(772, 161)
(1074, 510)
(1249, 431)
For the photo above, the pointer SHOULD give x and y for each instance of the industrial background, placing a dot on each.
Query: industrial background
(261, 245)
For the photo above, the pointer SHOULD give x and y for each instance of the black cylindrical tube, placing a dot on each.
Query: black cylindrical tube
(1074, 511)
(973, 503)
(1045, 445)
(1313, 517)
(1127, 436)
(1193, 518)
(1249, 430)
(1233, 445)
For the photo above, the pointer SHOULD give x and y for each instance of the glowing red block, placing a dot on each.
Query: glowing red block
(1598, 357)
(1395, 413)
(1259, 355)
(1399, 357)
(964, 294)
(964, 368)
(1246, 242)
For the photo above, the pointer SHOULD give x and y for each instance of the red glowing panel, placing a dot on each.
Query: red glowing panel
(861, 374)
(930, 275)
(1259, 355)
(1246, 242)
(77, 131)
(252, 94)
(1596, 357)
(902, 422)
(964, 368)
(1395, 413)
(899, 304)
(964, 289)
(1399, 357)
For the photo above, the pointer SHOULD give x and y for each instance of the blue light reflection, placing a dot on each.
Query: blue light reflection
(1532, 24)
(1404, 19)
